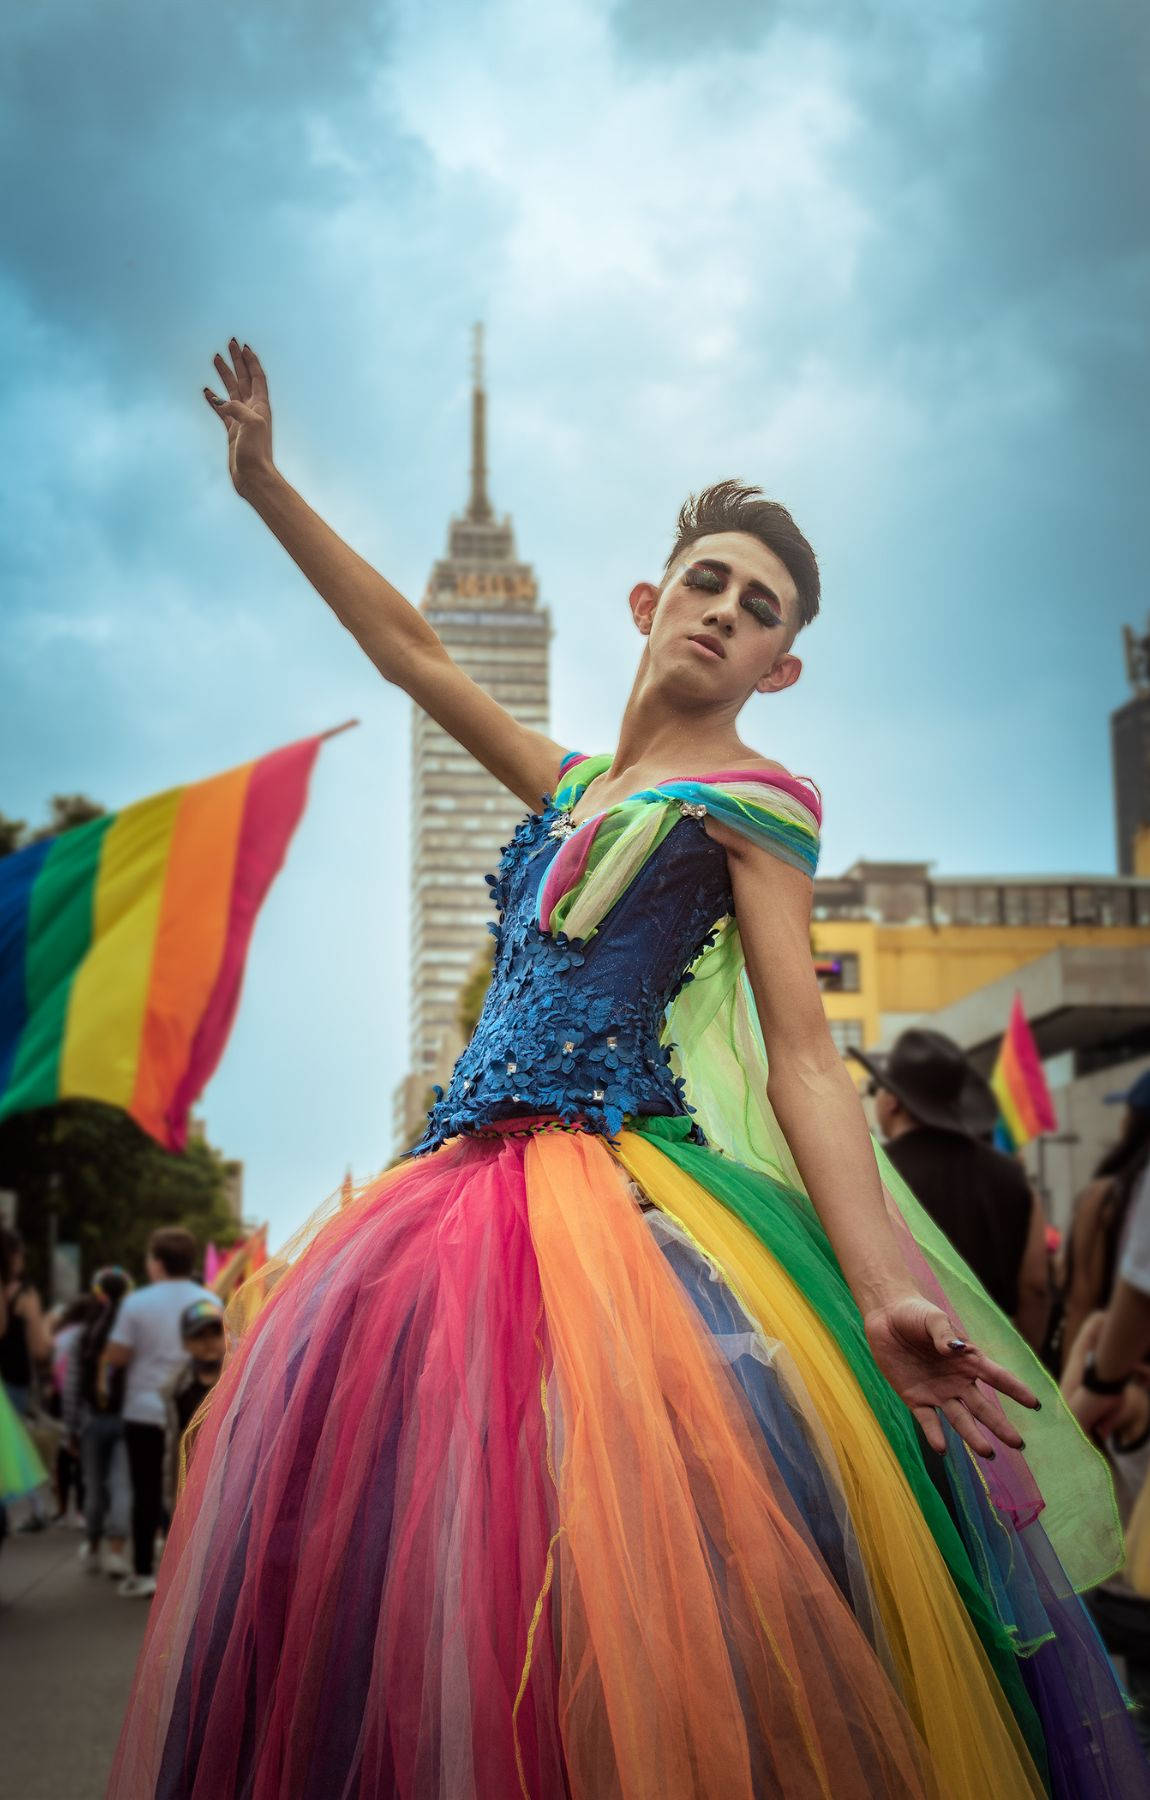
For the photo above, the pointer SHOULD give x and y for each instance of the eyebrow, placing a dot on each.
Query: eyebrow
(752, 587)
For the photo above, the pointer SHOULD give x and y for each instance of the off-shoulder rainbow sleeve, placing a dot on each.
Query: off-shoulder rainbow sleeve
(601, 858)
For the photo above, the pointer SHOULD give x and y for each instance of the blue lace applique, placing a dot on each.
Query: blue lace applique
(572, 1029)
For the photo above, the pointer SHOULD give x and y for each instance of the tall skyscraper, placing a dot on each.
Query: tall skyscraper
(484, 605)
(1130, 750)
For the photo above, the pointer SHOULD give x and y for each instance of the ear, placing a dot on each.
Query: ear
(643, 599)
(784, 675)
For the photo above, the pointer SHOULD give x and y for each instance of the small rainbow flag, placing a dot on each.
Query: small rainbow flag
(123, 941)
(240, 1264)
(1024, 1104)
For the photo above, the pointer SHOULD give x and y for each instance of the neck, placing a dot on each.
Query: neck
(673, 738)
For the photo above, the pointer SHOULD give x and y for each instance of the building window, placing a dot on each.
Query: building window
(846, 1034)
(942, 905)
(838, 971)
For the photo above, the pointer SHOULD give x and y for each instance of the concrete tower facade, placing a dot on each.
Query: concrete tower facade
(484, 605)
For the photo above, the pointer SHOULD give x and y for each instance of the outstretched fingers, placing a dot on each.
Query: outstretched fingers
(226, 375)
(958, 1414)
(990, 1414)
(931, 1429)
(259, 379)
(227, 410)
(243, 373)
(995, 1376)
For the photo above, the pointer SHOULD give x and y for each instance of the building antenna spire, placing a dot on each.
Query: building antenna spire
(478, 506)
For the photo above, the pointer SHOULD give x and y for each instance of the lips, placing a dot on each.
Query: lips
(713, 644)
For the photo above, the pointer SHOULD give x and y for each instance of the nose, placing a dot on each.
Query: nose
(722, 617)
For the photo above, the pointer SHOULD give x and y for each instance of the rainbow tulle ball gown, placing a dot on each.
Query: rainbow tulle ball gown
(557, 1465)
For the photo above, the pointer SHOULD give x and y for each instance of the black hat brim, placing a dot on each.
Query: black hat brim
(975, 1113)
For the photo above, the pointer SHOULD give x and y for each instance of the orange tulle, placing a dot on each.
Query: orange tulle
(700, 1634)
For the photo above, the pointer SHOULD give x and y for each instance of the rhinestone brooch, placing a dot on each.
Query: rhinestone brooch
(692, 812)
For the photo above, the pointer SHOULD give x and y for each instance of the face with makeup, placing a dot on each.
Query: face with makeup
(722, 625)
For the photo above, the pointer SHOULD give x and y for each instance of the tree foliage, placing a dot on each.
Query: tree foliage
(110, 1184)
(474, 991)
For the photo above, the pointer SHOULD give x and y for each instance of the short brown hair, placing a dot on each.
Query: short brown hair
(730, 506)
(175, 1249)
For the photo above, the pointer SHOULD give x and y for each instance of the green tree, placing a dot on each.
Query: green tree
(474, 991)
(68, 810)
(13, 833)
(109, 1184)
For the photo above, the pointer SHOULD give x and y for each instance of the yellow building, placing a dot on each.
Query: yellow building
(893, 943)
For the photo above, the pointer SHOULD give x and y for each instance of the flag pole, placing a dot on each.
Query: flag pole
(348, 725)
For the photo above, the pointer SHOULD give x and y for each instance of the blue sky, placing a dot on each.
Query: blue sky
(890, 260)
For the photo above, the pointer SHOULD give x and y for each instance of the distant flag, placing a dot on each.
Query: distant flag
(123, 941)
(213, 1263)
(1025, 1108)
(240, 1264)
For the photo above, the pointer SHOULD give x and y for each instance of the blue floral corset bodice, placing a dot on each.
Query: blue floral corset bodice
(572, 1029)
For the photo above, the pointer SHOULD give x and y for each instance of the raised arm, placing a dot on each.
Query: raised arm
(392, 632)
(816, 1103)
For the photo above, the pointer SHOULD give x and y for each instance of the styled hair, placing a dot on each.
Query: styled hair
(174, 1248)
(731, 506)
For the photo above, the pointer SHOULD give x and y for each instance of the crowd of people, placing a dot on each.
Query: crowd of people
(98, 1394)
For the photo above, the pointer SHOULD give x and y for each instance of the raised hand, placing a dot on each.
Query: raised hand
(934, 1371)
(246, 414)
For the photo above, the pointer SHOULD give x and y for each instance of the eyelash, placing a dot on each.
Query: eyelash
(704, 578)
(713, 583)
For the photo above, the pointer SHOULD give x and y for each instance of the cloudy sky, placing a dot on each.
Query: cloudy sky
(888, 259)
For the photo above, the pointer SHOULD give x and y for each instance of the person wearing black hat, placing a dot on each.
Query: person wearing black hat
(935, 1112)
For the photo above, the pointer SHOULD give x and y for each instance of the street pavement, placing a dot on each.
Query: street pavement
(68, 1647)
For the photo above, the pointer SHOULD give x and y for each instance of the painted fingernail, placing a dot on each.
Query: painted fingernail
(990, 1455)
(1038, 1406)
(958, 1344)
(1021, 1445)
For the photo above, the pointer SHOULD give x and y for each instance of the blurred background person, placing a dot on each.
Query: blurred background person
(67, 1325)
(1094, 1239)
(23, 1476)
(25, 1346)
(1107, 1369)
(146, 1341)
(25, 1341)
(98, 1420)
(935, 1112)
(202, 1331)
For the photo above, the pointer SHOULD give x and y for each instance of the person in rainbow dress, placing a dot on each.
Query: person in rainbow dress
(586, 1453)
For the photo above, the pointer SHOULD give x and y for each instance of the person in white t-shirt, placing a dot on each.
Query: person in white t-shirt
(146, 1341)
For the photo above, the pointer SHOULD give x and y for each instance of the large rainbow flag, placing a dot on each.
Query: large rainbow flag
(1024, 1104)
(123, 941)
